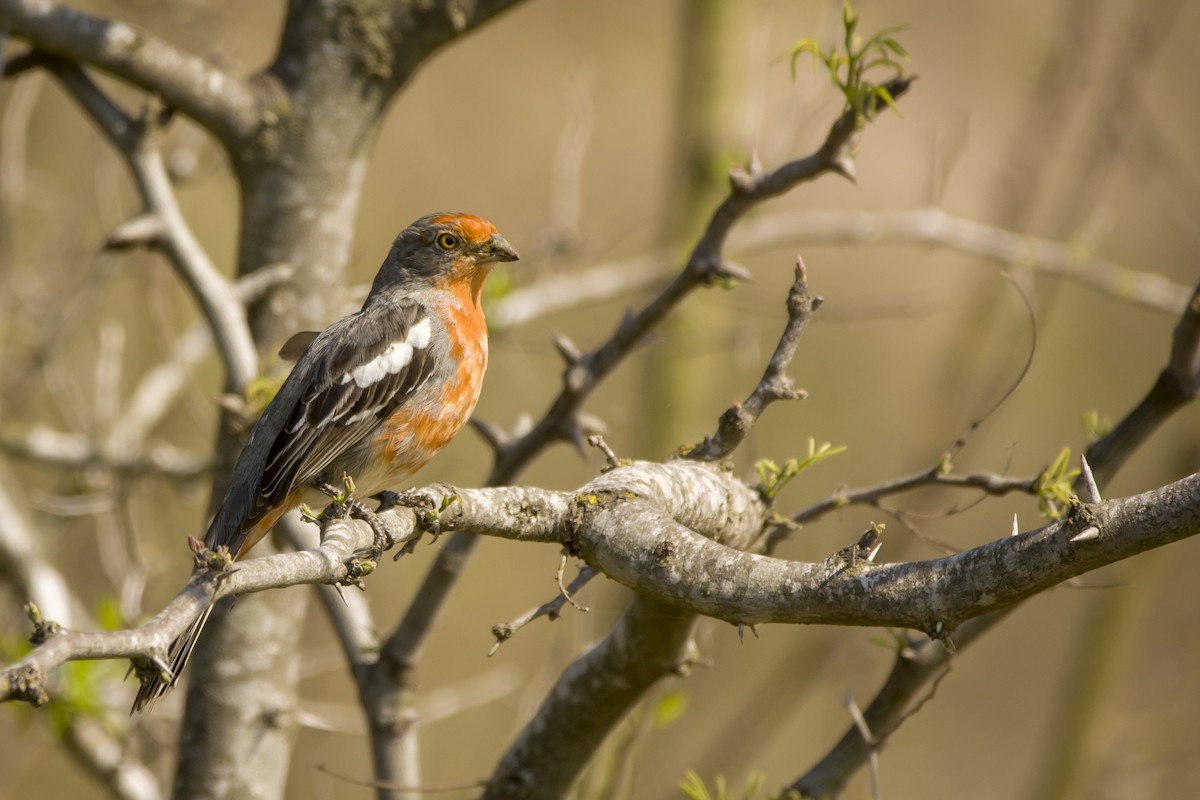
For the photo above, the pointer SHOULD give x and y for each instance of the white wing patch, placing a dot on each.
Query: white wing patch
(394, 358)
(418, 337)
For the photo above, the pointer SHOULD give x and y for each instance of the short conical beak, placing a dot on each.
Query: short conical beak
(498, 249)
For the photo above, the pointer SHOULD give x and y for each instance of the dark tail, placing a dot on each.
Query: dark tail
(177, 656)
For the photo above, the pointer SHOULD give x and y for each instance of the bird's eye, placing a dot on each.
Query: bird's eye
(447, 241)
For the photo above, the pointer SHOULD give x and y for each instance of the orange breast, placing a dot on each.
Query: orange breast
(418, 430)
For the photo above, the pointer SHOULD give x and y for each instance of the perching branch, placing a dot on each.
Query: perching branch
(657, 528)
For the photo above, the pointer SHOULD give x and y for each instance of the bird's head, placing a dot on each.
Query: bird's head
(452, 251)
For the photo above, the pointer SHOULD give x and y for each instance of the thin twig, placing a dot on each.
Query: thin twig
(774, 385)
(864, 730)
(551, 608)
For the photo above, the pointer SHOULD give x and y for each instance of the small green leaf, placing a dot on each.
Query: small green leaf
(848, 67)
(668, 709)
(693, 786)
(1053, 487)
(1095, 425)
(897, 48)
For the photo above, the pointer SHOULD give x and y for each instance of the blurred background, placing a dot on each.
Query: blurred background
(607, 132)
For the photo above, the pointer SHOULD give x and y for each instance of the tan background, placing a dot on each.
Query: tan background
(913, 343)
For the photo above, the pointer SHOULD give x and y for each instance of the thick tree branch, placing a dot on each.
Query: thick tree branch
(221, 103)
(651, 641)
(646, 526)
(918, 664)
(26, 679)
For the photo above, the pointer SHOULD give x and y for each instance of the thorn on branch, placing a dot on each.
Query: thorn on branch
(566, 348)
(939, 632)
(155, 115)
(728, 270)
(494, 435)
(1087, 534)
(1090, 491)
(144, 230)
(575, 379)
(860, 722)
(745, 179)
(741, 181)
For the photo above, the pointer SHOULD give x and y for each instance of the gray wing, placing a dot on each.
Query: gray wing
(351, 376)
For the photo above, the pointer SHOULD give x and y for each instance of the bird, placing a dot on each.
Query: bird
(373, 397)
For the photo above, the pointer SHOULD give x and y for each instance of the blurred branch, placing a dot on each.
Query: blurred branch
(221, 103)
(650, 641)
(935, 226)
(918, 663)
(78, 451)
(924, 226)
(109, 757)
(163, 224)
(158, 389)
(1176, 386)
(394, 745)
(14, 130)
(99, 748)
(580, 288)
(24, 569)
(124, 449)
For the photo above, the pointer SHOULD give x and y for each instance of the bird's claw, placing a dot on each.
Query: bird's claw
(384, 537)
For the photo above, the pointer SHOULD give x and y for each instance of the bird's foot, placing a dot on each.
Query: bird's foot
(427, 506)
